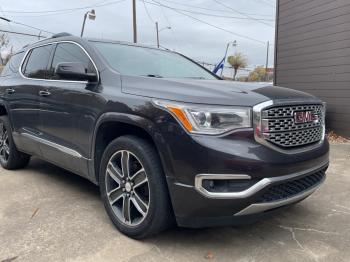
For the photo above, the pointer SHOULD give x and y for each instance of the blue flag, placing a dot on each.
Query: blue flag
(219, 66)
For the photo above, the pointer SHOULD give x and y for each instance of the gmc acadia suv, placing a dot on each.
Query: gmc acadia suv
(165, 139)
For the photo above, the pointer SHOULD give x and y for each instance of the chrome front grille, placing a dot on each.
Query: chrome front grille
(295, 138)
(288, 111)
(277, 125)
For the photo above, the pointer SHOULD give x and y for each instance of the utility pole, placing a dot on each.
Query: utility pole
(134, 20)
(157, 28)
(267, 61)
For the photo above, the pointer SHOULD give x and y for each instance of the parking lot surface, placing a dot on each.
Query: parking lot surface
(48, 214)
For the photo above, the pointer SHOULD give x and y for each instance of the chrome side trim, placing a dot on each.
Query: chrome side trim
(253, 189)
(257, 109)
(261, 207)
(61, 148)
(55, 80)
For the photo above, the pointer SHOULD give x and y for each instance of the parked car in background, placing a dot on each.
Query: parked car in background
(164, 139)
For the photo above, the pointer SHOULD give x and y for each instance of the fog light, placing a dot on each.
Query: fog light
(227, 185)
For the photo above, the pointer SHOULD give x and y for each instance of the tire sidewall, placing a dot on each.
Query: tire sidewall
(4, 120)
(153, 172)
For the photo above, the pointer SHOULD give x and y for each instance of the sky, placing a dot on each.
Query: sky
(200, 29)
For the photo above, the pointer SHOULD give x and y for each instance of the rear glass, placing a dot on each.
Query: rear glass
(13, 64)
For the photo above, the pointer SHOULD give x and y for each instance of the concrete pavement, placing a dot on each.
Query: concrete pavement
(48, 214)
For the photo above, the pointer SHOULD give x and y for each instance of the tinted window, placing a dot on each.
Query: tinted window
(36, 62)
(13, 64)
(68, 52)
(141, 61)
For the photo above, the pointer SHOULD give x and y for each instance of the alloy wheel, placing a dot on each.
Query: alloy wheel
(4, 143)
(127, 188)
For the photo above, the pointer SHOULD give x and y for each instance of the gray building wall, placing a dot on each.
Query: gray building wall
(313, 54)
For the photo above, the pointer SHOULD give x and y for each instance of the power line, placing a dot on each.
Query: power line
(22, 24)
(268, 3)
(170, 25)
(211, 9)
(10, 26)
(148, 14)
(241, 13)
(209, 24)
(20, 33)
(63, 10)
(33, 27)
(45, 14)
(211, 15)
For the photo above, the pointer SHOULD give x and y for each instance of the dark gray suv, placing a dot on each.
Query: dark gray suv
(165, 139)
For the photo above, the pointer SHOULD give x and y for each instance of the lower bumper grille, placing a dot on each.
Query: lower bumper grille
(292, 188)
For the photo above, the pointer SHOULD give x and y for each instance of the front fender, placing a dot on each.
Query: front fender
(140, 122)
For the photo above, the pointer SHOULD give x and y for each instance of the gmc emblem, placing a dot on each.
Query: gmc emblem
(302, 117)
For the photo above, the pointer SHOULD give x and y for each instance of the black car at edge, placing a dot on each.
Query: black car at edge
(165, 139)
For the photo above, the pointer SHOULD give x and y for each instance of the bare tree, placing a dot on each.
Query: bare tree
(4, 42)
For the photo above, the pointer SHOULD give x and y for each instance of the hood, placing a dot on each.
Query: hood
(214, 92)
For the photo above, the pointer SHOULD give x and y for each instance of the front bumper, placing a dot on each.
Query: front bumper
(268, 194)
(239, 154)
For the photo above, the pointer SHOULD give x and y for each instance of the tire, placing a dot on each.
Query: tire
(10, 157)
(143, 193)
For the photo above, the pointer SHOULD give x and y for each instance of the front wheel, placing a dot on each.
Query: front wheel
(10, 157)
(133, 187)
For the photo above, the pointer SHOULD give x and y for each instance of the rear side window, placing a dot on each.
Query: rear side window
(35, 65)
(12, 65)
(69, 52)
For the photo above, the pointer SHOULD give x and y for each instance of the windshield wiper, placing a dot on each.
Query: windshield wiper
(154, 75)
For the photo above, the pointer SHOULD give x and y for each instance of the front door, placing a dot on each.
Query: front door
(65, 105)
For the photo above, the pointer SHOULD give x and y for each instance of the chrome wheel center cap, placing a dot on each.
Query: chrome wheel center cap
(128, 187)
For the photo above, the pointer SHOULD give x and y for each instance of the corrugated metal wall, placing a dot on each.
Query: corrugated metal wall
(313, 54)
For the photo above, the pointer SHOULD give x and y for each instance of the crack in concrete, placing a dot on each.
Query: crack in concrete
(153, 247)
(316, 231)
(340, 211)
(343, 207)
(302, 248)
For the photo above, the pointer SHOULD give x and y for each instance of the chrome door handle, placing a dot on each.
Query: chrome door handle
(44, 93)
(10, 91)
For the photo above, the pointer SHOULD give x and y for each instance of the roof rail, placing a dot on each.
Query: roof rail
(61, 34)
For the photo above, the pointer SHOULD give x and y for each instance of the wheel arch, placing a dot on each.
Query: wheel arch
(113, 125)
(3, 109)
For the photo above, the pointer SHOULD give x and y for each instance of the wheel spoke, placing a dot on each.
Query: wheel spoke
(125, 163)
(126, 209)
(114, 172)
(2, 151)
(127, 188)
(140, 205)
(6, 148)
(2, 130)
(115, 195)
(139, 178)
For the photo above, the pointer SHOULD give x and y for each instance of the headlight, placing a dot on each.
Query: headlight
(210, 120)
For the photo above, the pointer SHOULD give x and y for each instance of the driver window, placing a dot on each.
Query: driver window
(69, 52)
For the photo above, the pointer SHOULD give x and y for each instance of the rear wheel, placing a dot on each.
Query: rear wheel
(133, 188)
(10, 157)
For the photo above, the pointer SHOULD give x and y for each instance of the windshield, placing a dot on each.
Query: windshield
(143, 61)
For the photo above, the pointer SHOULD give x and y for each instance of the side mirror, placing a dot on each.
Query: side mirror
(74, 71)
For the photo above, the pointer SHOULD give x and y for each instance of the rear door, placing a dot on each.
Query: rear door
(22, 94)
